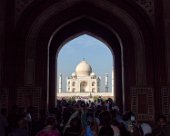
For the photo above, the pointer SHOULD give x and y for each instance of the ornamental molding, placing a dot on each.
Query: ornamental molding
(20, 6)
(147, 5)
(135, 93)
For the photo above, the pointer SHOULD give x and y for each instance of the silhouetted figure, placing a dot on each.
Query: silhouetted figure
(74, 129)
(22, 129)
(106, 131)
(162, 127)
(3, 123)
(50, 128)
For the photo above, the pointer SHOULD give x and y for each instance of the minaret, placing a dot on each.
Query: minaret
(60, 83)
(106, 82)
(113, 82)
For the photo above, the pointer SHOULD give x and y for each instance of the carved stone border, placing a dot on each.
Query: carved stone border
(34, 93)
(20, 6)
(35, 28)
(4, 95)
(135, 92)
(147, 5)
(165, 101)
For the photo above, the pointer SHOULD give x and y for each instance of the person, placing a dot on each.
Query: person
(105, 121)
(106, 131)
(91, 128)
(3, 123)
(50, 127)
(22, 129)
(74, 115)
(162, 127)
(74, 129)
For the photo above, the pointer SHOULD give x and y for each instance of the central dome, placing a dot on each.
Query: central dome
(83, 69)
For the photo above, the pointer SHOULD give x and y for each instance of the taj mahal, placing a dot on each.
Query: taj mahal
(84, 82)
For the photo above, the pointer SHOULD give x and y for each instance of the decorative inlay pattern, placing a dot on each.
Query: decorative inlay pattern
(148, 5)
(136, 93)
(30, 96)
(4, 93)
(165, 95)
(20, 6)
(167, 49)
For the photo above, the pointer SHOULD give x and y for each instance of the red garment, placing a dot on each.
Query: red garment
(48, 132)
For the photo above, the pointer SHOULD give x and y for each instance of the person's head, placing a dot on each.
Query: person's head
(75, 123)
(106, 131)
(51, 120)
(22, 123)
(162, 121)
(105, 118)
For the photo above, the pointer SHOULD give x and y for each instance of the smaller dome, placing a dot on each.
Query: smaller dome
(73, 74)
(92, 74)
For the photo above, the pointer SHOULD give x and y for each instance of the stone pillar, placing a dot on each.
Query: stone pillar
(30, 71)
(165, 90)
(106, 82)
(167, 35)
(2, 33)
(60, 84)
(140, 64)
(113, 93)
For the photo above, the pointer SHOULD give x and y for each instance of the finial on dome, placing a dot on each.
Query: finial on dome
(83, 59)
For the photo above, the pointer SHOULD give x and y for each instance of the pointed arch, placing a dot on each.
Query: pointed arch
(81, 26)
(106, 20)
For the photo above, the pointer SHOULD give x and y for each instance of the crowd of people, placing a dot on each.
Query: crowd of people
(79, 118)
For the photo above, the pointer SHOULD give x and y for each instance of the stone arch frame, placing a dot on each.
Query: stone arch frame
(84, 85)
(126, 27)
(86, 26)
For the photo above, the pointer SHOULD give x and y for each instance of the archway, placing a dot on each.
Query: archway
(115, 24)
(85, 58)
(83, 86)
(79, 27)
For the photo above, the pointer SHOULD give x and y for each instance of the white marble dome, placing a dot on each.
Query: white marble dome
(83, 69)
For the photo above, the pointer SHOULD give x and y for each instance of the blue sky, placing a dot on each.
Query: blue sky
(95, 52)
